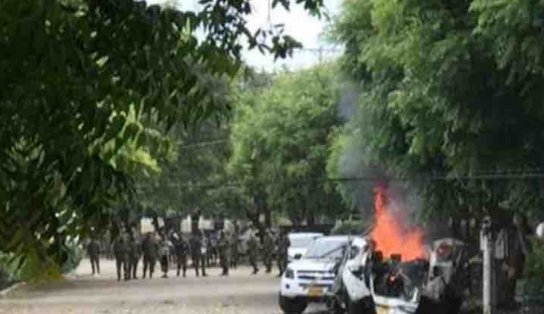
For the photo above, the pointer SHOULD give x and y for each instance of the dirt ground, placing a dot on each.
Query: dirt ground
(240, 293)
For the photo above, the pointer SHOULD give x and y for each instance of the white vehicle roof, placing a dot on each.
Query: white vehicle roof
(298, 235)
(334, 238)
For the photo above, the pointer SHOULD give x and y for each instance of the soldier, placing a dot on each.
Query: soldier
(134, 252)
(281, 255)
(223, 246)
(234, 249)
(120, 252)
(93, 251)
(150, 250)
(204, 248)
(181, 249)
(196, 253)
(211, 250)
(164, 253)
(268, 250)
(253, 247)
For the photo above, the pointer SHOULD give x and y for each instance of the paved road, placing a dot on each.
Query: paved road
(240, 293)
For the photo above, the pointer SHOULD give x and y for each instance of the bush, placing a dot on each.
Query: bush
(534, 267)
(33, 267)
(533, 290)
(7, 272)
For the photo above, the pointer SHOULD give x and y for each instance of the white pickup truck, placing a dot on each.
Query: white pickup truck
(310, 277)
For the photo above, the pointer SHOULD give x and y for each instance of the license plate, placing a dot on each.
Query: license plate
(382, 310)
(315, 291)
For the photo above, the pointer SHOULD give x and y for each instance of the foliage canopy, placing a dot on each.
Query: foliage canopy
(280, 143)
(88, 89)
(449, 89)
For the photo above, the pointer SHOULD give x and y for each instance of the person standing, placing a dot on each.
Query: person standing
(120, 252)
(234, 248)
(181, 250)
(223, 246)
(93, 251)
(281, 255)
(164, 253)
(268, 250)
(253, 248)
(196, 251)
(204, 248)
(150, 250)
(211, 250)
(135, 251)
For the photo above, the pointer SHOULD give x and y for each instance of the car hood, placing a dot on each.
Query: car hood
(313, 265)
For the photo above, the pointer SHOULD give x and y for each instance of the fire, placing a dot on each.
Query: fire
(389, 233)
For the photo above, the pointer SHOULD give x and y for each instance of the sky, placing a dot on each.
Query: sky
(298, 23)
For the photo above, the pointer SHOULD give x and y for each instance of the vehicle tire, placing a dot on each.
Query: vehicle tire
(363, 306)
(334, 306)
(292, 305)
(453, 305)
(427, 306)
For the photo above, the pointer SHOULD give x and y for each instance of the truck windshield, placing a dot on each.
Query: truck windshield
(301, 241)
(326, 248)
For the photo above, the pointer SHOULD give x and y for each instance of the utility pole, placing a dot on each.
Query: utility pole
(487, 245)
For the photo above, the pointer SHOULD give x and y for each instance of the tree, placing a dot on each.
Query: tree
(88, 89)
(449, 90)
(280, 139)
(196, 177)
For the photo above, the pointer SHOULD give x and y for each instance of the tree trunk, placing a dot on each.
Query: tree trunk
(310, 218)
(195, 218)
(267, 216)
(155, 222)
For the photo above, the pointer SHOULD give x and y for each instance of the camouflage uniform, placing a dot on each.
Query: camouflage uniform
(268, 250)
(196, 254)
(93, 251)
(134, 252)
(181, 250)
(281, 255)
(223, 246)
(164, 252)
(150, 249)
(234, 249)
(253, 248)
(120, 250)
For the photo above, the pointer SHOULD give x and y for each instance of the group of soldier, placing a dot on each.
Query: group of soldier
(177, 248)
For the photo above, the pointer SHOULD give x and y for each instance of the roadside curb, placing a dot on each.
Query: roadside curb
(4, 292)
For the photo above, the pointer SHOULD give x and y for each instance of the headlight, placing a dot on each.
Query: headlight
(289, 273)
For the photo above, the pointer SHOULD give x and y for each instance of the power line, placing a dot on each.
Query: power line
(513, 175)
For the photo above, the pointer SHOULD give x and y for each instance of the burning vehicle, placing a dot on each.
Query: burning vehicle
(393, 272)
(367, 283)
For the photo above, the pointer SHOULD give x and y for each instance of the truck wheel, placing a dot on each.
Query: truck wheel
(363, 306)
(427, 306)
(453, 305)
(292, 305)
(334, 306)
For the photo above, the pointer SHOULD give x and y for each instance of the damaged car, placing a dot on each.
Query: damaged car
(369, 283)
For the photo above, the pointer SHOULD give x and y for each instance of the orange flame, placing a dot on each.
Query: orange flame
(389, 233)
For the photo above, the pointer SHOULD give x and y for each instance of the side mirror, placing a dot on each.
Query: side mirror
(297, 256)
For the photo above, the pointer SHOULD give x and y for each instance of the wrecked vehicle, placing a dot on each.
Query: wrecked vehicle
(368, 283)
